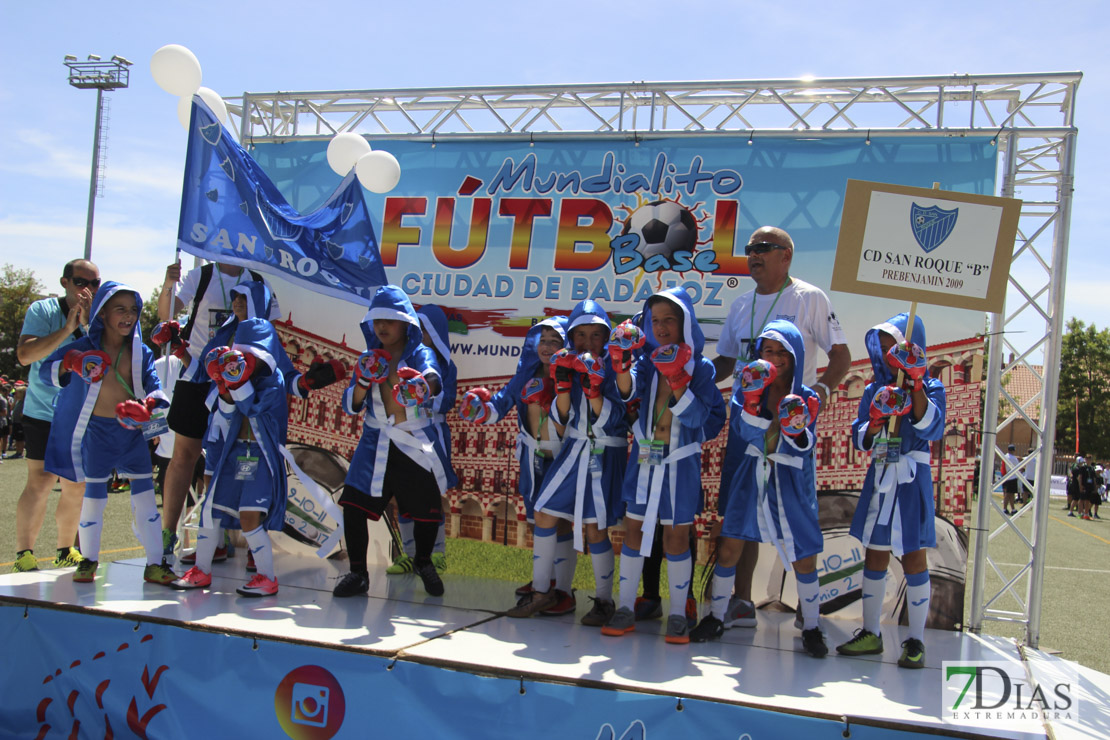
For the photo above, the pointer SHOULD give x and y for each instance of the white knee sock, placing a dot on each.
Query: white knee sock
(874, 590)
(680, 568)
(258, 540)
(632, 567)
(601, 555)
(207, 541)
(566, 560)
(918, 591)
(543, 558)
(92, 523)
(723, 578)
(809, 598)
(148, 522)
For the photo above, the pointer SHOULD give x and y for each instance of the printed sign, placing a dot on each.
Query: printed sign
(930, 246)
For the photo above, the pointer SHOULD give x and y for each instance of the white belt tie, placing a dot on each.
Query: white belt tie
(649, 488)
(421, 452)
(891, 475)
(764, 517)
(581, 450)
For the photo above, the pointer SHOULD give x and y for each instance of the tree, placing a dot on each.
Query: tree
(18, 290)
(149, 319)
(1084, 384)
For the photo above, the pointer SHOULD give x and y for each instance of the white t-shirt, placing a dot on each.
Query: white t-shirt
(800, 303)
(169, 369)
(215, 306)
(1011, 463)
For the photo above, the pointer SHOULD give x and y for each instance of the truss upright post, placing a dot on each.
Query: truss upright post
(995, 355)
(1051, 390)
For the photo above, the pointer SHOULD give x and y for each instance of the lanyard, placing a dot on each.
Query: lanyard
(124, 383)
(751, 318)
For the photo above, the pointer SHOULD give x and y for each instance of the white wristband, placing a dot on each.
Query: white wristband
(828, 393)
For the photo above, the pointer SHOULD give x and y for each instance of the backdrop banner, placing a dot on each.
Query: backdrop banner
(502, 234)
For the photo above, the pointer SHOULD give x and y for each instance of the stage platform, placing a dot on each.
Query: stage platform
(453, 665)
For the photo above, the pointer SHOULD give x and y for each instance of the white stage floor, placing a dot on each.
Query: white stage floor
(762, 667)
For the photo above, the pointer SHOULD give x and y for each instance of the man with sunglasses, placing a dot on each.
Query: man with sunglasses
(49, 324)
(770, 251)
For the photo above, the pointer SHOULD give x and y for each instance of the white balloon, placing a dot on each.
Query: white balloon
(176, 70)
(379, 172)
(210, 97)
(344, 150)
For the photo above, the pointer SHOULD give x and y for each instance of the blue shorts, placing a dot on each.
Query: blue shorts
(541, 464)
(108, 446)
(231, 496)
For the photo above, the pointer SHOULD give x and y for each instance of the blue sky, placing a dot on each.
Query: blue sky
(45, 152)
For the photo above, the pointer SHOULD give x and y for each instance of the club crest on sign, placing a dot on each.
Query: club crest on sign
(932, 225)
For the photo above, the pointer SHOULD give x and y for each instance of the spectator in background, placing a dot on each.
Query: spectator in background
(49, 324)
(5, 420)
(19, 394)
(1010, 486)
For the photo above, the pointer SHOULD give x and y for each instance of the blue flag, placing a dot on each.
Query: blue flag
(231, 212)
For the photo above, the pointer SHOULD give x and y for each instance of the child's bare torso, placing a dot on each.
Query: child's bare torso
(112, 391)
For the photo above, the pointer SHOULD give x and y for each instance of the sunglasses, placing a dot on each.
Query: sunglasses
(761, 248)
(81, 282)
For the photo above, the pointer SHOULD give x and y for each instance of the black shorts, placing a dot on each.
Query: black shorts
(1010, 486)
(5, 427)
(188, 415)
(17, 431)
(35, 432)
(415, 489)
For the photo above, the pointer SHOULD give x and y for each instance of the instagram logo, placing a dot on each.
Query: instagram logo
(309, 703)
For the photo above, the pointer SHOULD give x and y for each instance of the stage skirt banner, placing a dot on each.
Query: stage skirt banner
(231, 212)
(502, 234)
(81, 675)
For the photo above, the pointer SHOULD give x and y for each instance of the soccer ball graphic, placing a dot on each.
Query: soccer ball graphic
(664, 227)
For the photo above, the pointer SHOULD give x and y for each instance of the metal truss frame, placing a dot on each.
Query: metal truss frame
(1030, 117)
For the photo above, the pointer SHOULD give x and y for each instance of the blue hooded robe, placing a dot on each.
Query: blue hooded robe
(262, 403)
(77, 399)
(434, 321)
(671, 491)
(773, 493)
(895, 509)
(571, 490)
(259, 299)
(417, 436)
(533, 465)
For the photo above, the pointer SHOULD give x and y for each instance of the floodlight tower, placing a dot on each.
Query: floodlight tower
(93, 73)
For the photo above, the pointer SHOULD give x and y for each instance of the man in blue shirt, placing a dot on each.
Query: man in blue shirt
(49, 324)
